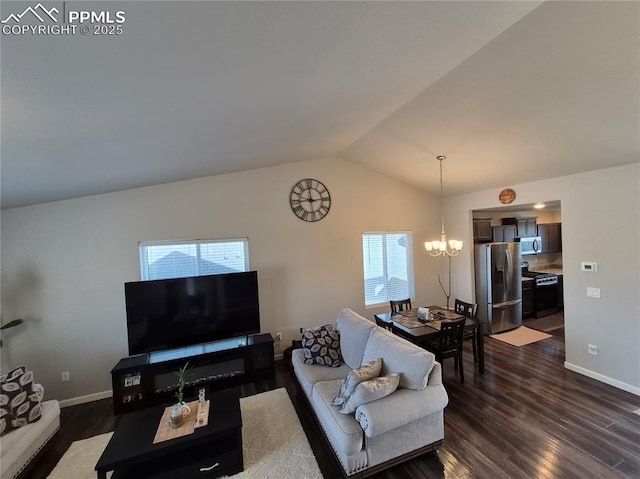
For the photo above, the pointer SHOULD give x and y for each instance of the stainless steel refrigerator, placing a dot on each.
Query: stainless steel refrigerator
(499, 286)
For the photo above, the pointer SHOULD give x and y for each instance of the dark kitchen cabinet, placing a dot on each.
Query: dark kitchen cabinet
(525, 226)
(528, 305)
(482, 230)
(560, 293)
(503, 233)
(550, 235)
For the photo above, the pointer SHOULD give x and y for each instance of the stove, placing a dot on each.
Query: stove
(541, 279)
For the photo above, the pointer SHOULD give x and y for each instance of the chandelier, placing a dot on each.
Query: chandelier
(442, 247)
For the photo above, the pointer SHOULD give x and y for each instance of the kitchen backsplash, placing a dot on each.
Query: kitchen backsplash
(543, 260)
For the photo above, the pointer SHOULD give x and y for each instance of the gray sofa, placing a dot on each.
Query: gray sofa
(405, 424)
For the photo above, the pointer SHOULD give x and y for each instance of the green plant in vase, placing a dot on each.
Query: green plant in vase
(180, 409)
(182, 377)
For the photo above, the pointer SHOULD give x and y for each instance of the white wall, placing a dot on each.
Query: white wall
(600, 222)
(64, 263)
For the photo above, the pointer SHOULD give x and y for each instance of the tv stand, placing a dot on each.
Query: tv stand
(148, 379)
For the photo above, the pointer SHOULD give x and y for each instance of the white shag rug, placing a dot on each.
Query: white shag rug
(273, 443)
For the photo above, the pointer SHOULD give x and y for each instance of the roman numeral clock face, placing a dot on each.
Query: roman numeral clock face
(310, 200)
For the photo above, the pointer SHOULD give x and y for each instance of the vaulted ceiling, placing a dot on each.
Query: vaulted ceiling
(509, 91)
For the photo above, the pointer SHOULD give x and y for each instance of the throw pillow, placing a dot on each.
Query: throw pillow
(365, 372)
(371, 390)
(19, 400)
(321, 346)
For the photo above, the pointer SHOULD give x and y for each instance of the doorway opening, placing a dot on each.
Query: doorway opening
(543, 279)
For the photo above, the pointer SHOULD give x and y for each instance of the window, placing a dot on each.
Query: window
(180, 259)
(388, 267)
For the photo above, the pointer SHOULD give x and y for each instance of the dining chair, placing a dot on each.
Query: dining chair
(448, 343)
(468, 310)
(400, 305)
(384, 324)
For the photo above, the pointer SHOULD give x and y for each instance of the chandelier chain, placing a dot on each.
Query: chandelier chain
(443, 247)
(441, 159)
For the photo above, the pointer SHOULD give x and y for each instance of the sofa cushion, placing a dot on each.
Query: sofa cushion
(367, 371)
(19, 399)
(321, 346)
(308, 374)
(408, 405)
(343, 431)
(369, 391)
(354, 333)
(412, 362)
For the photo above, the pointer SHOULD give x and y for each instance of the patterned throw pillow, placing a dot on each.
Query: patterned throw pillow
(19, 399)
(321, 346)
(369, 391)
(365, 372)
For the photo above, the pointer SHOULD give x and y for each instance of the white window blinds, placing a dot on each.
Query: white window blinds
(388, 266)
(180, 259)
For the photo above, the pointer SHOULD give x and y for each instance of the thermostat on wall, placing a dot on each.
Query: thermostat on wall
(588, 266)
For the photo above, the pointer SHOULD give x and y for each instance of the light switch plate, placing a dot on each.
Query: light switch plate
(593, 292)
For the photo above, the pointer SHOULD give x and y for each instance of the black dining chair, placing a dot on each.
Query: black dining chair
(401, 305)
(384, 324)
(468, 310)
(448, 343)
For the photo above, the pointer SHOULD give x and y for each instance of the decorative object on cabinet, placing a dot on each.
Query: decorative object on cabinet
(442, 247)
(310, 200)
(179, 410)
(507, 196)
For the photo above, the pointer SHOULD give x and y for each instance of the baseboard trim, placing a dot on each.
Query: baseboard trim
(85, 399)
(602, 378)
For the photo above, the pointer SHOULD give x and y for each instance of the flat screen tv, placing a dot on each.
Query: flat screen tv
(171, 313)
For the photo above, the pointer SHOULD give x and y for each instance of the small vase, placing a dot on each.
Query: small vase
(178, 412)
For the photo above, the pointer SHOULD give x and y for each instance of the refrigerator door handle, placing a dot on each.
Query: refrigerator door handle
(506, 304)
(507, 279)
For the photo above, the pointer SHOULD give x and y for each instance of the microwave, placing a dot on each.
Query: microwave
(530, 245)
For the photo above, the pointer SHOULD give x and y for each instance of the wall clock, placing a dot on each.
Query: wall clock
(310, 200)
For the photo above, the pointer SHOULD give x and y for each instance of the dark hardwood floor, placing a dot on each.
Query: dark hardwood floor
(527, 417)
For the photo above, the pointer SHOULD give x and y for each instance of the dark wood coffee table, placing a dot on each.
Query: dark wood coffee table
(132, 454)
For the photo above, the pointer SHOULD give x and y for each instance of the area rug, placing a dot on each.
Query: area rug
(273, 442)
(521, 336)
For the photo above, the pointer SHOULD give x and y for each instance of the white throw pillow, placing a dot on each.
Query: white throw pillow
(371, 390)
(367, 371)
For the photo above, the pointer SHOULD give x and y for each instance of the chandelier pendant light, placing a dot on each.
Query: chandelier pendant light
(443, 247)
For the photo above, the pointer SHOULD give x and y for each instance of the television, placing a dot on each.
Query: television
(171, 313)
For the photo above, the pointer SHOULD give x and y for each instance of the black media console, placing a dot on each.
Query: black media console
(148, 379)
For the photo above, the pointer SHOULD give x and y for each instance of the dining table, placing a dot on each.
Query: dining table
(420, 329)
